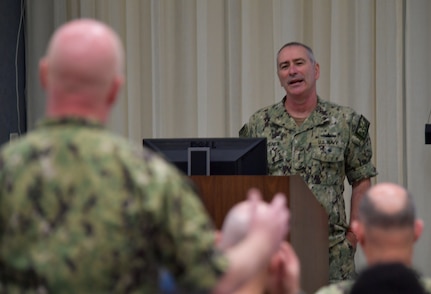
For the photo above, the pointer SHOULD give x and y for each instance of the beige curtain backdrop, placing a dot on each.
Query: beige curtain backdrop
(200, 68)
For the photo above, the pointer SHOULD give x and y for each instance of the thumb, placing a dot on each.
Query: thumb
(254, 197)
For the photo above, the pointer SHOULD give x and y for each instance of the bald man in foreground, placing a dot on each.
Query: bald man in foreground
(84, 211)
(387, 229)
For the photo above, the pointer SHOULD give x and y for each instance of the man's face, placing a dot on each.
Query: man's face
(297, 73)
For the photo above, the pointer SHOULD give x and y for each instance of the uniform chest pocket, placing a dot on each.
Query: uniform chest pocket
(278, 158)
(327, 165)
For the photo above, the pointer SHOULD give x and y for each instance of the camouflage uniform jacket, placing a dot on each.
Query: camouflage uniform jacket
(331, 144)
(345, 287)
(84, 211)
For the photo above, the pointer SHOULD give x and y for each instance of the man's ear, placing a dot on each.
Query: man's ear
(316, 71)
(43, 72)
(419, 226)
(114, 91)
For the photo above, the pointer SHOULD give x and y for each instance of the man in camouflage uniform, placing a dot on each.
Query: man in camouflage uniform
(387, 229)
(321, 141)
(83, 211)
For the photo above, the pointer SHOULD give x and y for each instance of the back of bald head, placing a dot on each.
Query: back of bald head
(387, 205)
(82, 54)
(237, 223)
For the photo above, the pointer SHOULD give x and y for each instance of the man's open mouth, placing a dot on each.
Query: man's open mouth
(295, 82)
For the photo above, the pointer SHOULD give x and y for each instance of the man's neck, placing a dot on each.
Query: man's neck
(300, 107)
(402, 255)
(73, 111)
(386, 245)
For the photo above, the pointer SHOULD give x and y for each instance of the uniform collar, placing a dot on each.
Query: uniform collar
(75, 121)
(317, 117)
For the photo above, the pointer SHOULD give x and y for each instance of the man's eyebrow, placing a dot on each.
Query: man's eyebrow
(299, 59)
(294, 60)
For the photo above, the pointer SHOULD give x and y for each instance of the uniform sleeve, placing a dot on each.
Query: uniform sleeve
(186, 246)
(249, 129)
(338, 288)
(359, 151)
(244, 132)
(426, 283)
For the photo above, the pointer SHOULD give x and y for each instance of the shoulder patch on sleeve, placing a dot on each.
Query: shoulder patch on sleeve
(362, 128)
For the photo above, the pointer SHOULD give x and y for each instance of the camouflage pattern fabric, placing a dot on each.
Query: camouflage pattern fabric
(330, 145)
(83, 211)
(344, 287)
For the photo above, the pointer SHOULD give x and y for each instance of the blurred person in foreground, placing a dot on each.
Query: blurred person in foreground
(388, 278)
(84, 211)
(387, 229)
(281, 275)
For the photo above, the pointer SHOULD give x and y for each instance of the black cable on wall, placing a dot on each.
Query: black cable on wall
(12, 69)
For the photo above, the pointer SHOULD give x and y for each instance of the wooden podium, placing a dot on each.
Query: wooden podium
(308, 222)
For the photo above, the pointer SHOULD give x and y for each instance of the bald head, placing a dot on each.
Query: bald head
(82, 69)
(387, 205)
(237, 222)
(387, 227)
(86, 44)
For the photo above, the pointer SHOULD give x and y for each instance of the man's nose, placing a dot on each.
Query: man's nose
(293, 70)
